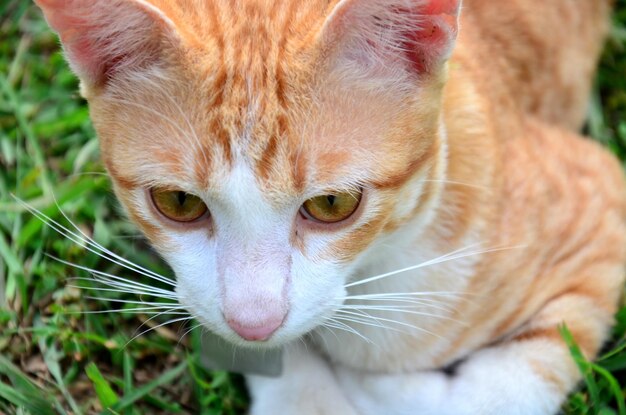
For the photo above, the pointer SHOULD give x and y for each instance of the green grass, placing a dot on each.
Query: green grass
(55, 360)
(52, 358)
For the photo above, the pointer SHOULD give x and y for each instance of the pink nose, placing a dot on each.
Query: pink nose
(259, 332)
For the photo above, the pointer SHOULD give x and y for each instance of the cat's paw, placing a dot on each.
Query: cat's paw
(307, 386)
(396, 394)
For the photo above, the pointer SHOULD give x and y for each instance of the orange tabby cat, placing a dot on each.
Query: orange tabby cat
(355, 171)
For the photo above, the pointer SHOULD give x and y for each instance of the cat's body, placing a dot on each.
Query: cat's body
(540, 54)
(258, 107)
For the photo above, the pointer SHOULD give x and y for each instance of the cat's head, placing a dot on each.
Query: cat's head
(265, 147)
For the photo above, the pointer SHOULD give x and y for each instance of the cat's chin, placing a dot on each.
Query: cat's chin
(275, 341)
(284, 335)
(302, 319)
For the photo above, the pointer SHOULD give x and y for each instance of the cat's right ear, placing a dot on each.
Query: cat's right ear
(416, 36)
(102, 38)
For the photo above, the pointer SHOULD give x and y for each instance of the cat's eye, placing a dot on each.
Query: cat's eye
(331, 208)
(178, 206)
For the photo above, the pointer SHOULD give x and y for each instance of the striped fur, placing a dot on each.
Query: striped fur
(458, 125)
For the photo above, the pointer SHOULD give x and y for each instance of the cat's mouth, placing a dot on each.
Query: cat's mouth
(258, 331)
(268, 333)
(264, 334)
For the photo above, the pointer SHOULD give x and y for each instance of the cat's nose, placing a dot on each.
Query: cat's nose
(259, 331)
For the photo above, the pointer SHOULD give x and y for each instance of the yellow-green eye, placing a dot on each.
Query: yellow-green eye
(331, 208)
(177, 205)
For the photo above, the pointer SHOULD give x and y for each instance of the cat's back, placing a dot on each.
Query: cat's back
(540, 54)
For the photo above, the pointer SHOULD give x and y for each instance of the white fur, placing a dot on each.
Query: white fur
(495, 381)
(248, 226)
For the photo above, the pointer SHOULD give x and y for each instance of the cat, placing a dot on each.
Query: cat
(392, 190)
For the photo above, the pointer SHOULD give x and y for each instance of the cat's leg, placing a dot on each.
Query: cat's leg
(528, 374)
(306, 387)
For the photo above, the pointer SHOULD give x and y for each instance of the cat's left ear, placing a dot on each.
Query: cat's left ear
(103, 38)
(419, 34)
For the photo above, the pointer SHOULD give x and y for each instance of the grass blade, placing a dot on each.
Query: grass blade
(23, 392)
(144, 390)
(583, 364)
(106, 395)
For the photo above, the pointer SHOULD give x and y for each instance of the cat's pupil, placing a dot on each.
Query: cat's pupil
(331, 200)
(181, 196)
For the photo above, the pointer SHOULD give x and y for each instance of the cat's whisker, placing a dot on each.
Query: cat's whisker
(363, 318)
(412, 294)
(332, 322)
(140, 302)
(187, 332)
(301, 340)
(378, 307)
(157, 315)
(445, 302)
(115, 283)
(113, 256)
(138, 310)
(405, 310)
(91, 245)
(438, 260)
(425, 302)
(358, 318)
(401, 323)
(114, 290)
(364, 322)
(324, 339)
(329, 326)
(172, 321)
(420, 265)
(130, 288)
(124, 284)
(116, 280)
(134, 291)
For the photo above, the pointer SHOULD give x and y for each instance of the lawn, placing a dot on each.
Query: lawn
(58, 355)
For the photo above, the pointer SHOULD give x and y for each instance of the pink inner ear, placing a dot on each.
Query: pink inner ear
(424, 30)
(450, 7)
(431, 42)
(76, 35)
(82, 52)
(102, 36)
(95, 58)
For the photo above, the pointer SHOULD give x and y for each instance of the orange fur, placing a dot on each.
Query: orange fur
(258, 79)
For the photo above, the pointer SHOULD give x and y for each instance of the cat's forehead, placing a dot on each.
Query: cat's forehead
(192, 138)
(245, 26)
(245, 68)
(247, 92)
(295, 151)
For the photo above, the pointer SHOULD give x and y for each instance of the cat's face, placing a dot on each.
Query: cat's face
(266, 152)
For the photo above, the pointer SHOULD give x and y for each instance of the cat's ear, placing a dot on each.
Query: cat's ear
(419, 34)
(103, 37)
